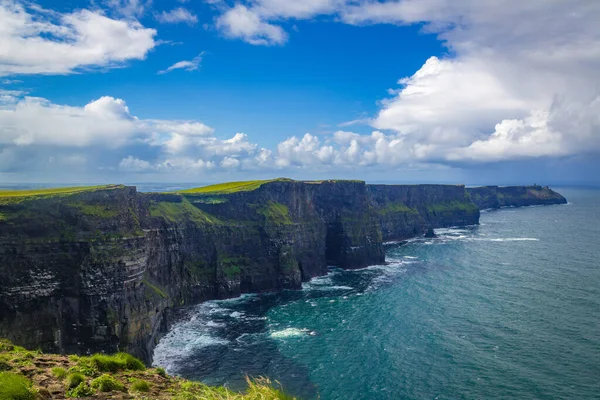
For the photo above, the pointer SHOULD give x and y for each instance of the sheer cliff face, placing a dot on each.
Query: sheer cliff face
(514, 196)
(100, 270)
(405, 211)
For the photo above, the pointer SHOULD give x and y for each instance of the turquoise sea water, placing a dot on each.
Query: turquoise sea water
(509, 309)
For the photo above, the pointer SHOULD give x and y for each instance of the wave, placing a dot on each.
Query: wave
(393, 242)
(182, 341)
(388, 273)
(523, 239)
(290, 333)
(446, 235)
(198, 331)
(324, 283)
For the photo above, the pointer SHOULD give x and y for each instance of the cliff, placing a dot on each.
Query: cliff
(405, 211)
(487, 197)
(99, 269)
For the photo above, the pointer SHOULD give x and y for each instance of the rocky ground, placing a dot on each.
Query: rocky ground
(32, 375)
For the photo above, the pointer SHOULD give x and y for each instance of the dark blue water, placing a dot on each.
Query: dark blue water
(508, 309)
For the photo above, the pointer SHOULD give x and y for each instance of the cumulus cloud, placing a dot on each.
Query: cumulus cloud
(38, 41)
(513, 85)
(516, 86)
(191, 65)
(105, 134)
(177, 15)
(240, 22)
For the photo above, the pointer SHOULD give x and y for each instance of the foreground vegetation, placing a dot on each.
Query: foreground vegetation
(32, 375)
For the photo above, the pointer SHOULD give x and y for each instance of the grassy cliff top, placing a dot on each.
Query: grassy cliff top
(15, 196)
(32, 375)
(232, 187)
(247, 186)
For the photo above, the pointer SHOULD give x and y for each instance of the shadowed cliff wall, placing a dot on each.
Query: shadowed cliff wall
(487, 197)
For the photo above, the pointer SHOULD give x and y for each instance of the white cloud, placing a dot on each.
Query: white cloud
(37, 41)
(130, 8)
(133, 164)
(243, 23)
(296, 9)
(104, 129)
(230, 163)
(177, 15)
(192, 65)
(514, 85)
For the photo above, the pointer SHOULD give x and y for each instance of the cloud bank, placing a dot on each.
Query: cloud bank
(518, 83)
(39, 41)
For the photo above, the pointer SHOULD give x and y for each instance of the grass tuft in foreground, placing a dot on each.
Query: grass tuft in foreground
(30, 375)
(15, 387)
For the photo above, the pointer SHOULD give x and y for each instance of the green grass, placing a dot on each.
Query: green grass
(59, 372)
(81, 390)
(232, 187)
(181, 212)
(6, 345)
(258, 389)
(396, 208)
(16, 196)
(276, 213)
(108, 363)
(452, 206)
(155, 289)
(74, 379)
(95, 210)
(231, 266)
(4, 363)
(334, 181)
(15, 387)
(140, 385)
(107, 383)
(129, 380)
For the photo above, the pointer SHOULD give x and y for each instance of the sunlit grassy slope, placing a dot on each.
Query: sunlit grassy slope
(15, 196)
(231, 187)
(31, 375)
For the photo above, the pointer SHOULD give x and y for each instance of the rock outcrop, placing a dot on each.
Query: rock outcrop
(487, 197)
(100, 269)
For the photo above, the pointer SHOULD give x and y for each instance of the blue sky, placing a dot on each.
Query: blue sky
(202, 91)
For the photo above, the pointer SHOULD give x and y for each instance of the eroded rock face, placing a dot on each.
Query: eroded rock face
(101, 270)
(406, 211)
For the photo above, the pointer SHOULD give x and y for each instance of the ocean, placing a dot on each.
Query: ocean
(508, 309)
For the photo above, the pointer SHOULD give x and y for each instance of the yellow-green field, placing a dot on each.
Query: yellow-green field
(17, 195)
(231, 187)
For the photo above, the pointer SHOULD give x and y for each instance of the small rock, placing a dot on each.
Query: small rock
(430, 234)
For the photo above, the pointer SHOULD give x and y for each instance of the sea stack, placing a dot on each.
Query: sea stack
(430, 234)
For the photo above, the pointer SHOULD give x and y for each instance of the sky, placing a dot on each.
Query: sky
(407, 91)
